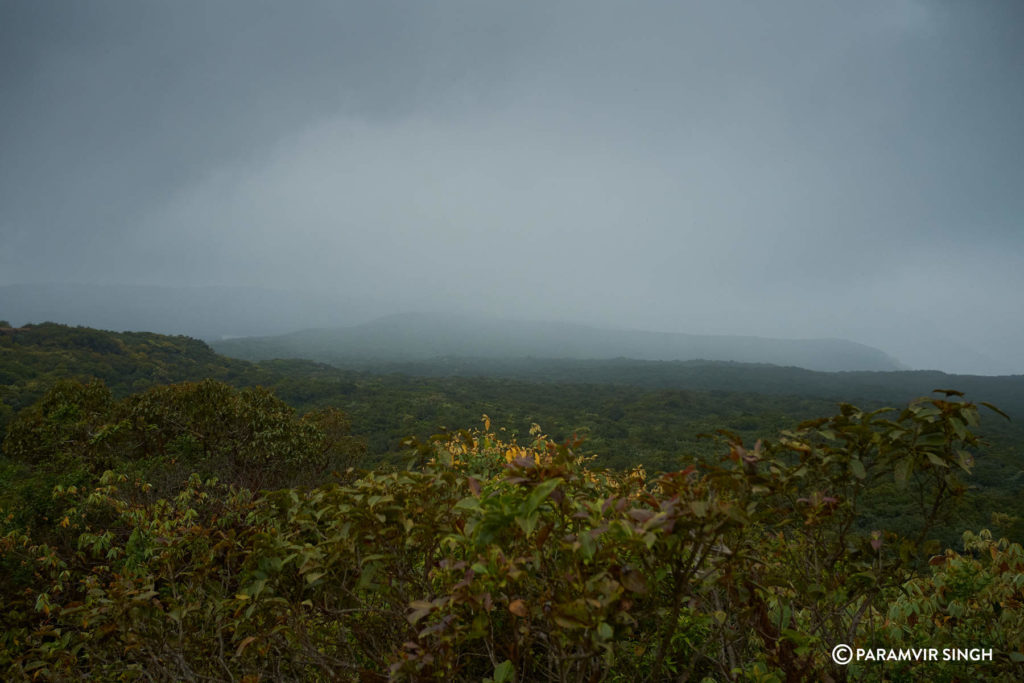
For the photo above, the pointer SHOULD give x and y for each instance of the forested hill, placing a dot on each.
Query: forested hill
(629, 412)
(416, 337)
(385, 408)
(33, 357)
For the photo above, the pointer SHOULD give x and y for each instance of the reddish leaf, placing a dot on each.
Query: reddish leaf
(518, 608)
(244, 644)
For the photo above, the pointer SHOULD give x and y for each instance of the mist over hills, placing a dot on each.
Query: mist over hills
(417, 337)
(201, 312)
(217, 313)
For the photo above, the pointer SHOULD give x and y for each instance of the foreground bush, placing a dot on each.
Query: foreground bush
(494, 560)
(248, 437)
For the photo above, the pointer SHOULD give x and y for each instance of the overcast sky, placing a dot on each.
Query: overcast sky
(791, 169)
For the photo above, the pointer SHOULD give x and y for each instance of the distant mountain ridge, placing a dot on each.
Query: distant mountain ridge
(221, 312)
(418, 336)
(200, 312)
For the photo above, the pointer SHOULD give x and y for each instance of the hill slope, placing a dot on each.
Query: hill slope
(413, 337)
(34, 356)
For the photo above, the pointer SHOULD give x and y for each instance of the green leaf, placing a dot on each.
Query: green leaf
(537, 496)
(528, 522)
(587, 545)
(931, 439)
(902, 471)
(255, 588)
(857, 467)
(965, 460)
(468, 503)
(504, 672)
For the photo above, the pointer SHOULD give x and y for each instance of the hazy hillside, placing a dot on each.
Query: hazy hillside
(413, 337)
(217, 313)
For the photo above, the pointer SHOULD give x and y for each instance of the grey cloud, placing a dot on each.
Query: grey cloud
(789, 169)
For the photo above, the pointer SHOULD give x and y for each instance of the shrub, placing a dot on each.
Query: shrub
(494, 560)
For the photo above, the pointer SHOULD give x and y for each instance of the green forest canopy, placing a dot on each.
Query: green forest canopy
(200, 529)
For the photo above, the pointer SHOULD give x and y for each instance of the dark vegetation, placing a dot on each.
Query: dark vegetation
(704, 375)
(173, 514)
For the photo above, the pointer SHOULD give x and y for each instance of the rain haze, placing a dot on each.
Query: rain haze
(788, 169)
